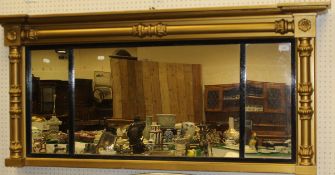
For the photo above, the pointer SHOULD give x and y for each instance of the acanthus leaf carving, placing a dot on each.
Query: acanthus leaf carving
(142, 30)
(306, 153)
(305, 89)
(16, 149)
(283, 26)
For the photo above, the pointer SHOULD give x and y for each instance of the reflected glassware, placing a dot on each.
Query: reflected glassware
(146, 131)
(180, 145)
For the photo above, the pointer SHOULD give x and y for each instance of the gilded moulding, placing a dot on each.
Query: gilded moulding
(160, 29)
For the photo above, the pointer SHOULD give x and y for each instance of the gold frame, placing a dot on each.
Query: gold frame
(295, 20)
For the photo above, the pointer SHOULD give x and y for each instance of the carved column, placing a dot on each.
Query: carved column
(305, 111)
(15, 102)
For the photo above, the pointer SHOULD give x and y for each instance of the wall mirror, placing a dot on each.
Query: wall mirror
(202, 89)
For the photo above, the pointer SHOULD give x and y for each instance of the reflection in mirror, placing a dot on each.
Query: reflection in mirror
(157, 101)
(268, 101)
(49, 104)
(165, 101)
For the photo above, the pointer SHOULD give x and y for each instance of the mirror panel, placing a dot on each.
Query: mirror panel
(49, 101)
(163, 93)
(268, 129)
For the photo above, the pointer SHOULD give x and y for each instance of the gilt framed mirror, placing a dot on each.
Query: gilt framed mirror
(215, 89)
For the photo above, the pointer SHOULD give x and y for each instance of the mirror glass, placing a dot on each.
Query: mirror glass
(163, 101)
(49, 101)
(268, 101)
(156, 101)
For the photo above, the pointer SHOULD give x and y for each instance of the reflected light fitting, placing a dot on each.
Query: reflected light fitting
(101, 58)
(46, 60)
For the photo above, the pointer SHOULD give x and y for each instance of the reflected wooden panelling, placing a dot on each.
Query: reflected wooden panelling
(146, 88)
(197, 93)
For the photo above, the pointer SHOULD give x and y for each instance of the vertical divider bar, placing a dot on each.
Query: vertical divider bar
(242, 97)
(293, 101)
(71, 94)
(29, 99)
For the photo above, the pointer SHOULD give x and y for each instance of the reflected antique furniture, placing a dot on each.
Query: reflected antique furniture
(266, 107)
(258, 22)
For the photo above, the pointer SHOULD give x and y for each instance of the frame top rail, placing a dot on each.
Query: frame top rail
(280, 8)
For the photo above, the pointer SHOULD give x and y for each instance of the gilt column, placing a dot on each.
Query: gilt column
(16, 146)
(305, 37)
(15, 92)
(305, 110)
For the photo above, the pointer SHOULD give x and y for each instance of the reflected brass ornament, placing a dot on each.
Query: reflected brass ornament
(304, 25)
(283, 26)
(141, 30)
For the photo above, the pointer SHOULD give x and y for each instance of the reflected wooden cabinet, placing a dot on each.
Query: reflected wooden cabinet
(43, 100)
(275, 97)
(260, 97)
(265, 106)
(213, 98)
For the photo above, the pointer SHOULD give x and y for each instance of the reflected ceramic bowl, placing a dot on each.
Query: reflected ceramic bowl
(166, 120)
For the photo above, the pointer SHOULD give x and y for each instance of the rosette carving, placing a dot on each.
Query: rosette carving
(304, 25)
(11, 35)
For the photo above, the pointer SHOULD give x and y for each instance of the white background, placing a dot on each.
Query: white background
(324, 66)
